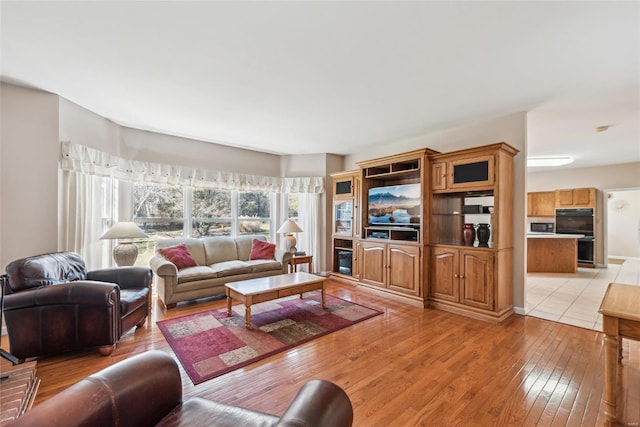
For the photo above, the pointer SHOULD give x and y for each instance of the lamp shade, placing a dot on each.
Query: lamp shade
(289, 226)
(124, 230)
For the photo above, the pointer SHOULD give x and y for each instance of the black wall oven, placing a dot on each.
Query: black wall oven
(578, 221)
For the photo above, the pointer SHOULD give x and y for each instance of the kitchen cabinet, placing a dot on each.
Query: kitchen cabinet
(390, 266)
(541, 204)
(556, 253)
(464, 276)
(576, 198)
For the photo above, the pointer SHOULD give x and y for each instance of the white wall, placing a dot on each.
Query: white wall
(84, 127)
(623, 223)
(29, 173)
(159, 148)
(510, 129)
(624, 175)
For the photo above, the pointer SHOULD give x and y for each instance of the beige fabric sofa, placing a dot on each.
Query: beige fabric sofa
(220, 260)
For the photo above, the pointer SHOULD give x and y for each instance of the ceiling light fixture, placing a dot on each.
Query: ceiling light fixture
(534, 162)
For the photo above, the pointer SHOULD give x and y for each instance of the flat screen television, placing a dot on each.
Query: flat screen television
(395, 205)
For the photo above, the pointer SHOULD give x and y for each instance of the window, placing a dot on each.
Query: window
(292, 206)
(159, 210)
(212, 214)
(165, 211)
(254, 213)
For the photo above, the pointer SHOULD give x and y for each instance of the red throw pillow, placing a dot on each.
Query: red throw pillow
(261, 249)
(179, 255)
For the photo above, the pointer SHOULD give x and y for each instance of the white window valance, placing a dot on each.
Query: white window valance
(87, 160)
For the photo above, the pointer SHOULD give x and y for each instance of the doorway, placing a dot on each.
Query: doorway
(622, 225)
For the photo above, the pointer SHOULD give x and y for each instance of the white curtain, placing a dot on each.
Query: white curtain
(309, 221)
(83, 210)
(80, 158)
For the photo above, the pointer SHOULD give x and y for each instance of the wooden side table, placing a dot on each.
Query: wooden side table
(300, 259)
(620, 311)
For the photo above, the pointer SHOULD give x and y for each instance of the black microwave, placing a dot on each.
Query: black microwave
(542, 227)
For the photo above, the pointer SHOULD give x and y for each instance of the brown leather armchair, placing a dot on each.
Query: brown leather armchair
(53, 304)
(146, 390)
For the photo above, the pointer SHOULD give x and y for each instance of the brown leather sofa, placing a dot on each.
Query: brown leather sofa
(146, 390)
(53, 304)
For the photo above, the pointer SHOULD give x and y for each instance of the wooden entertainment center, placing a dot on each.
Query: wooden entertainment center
(398, 229)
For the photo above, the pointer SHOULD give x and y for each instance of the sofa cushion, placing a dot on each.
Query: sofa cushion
(261, 249)
(198, 411)
(245, 244)
(179, 255)
(231, 268)
(132, 299)
(193, 274)
(46, 269)
(195, 246)
(260, 265)
(220, 249)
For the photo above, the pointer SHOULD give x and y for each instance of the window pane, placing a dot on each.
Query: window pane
(158, 210)
(211, 213)
(292, 206)
(254, 213)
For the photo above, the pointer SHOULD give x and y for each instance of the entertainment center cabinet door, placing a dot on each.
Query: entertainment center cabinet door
(445, 281)
(439, 175)
(371, 263)
(404, 269)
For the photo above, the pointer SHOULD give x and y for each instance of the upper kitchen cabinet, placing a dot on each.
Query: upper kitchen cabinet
(576, 198)
(541, 203)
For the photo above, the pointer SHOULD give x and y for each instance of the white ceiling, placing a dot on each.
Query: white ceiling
(314, 77)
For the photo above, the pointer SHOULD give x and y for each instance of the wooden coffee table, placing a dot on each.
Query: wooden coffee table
(263, 289)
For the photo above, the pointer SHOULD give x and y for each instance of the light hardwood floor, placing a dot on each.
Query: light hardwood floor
(410, 367)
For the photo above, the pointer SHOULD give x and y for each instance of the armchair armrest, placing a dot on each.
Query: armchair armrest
(125, 277)
(138, 391)
(162, 266)
(319, 403)
(84, 292)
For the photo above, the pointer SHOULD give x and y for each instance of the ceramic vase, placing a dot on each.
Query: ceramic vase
(483, 233)
(468, 234)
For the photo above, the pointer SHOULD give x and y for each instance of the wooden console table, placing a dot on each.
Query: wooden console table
(620, 311)
(17, 390)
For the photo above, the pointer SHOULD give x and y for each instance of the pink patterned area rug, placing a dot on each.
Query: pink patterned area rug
(210, 344)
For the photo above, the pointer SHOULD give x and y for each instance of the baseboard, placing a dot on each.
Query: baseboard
(519, 310)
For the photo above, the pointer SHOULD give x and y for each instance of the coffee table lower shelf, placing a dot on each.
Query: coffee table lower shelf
(254, 291)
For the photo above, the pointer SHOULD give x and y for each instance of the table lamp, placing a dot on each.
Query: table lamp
(125, 252)
(289, 240)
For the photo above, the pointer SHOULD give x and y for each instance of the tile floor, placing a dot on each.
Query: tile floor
(575, 298)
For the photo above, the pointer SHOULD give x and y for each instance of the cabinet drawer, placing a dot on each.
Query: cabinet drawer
(312, 287)
(290, 291)
(266, 296)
